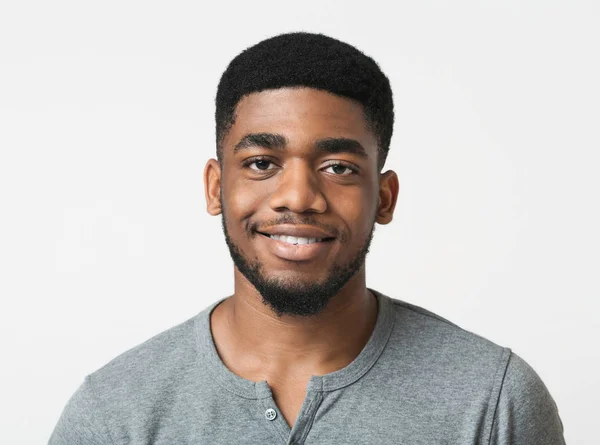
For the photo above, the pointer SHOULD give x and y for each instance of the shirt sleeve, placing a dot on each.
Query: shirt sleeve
(81, 423)
(526, 413)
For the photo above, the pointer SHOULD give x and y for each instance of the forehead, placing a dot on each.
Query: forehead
(301, 114)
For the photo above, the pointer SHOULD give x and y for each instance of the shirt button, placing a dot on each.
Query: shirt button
(270, 414)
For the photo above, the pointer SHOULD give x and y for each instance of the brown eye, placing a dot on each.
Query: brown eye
(340, 169)
(261, 164)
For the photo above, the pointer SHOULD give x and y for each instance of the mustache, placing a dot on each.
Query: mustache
(253, 226)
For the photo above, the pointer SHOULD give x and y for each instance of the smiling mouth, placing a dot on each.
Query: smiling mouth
(295, 240)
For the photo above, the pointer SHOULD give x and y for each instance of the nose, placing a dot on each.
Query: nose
(298, 190)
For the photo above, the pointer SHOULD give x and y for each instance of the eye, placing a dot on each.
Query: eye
(340, 169)
(259, 164)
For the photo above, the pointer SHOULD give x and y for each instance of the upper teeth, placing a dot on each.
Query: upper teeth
(295, 239)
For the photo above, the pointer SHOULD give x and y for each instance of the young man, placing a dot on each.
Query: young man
(303, 352)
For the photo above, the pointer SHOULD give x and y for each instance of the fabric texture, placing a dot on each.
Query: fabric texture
(420, 379)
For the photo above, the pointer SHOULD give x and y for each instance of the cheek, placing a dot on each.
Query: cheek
(243, 199)
(356, 209)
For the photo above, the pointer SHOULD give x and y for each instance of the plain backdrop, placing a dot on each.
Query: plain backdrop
(106, 123)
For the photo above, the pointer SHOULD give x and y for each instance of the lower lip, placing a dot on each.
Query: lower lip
(296, 252)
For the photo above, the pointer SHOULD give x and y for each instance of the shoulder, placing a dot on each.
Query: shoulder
(521, 379)
(419, 328)
(433, 354)
(162, 357)
(526, 412)
(129, 385)
(520, 407)
(79, 421)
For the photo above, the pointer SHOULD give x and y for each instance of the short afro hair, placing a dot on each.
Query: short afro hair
(310, 60)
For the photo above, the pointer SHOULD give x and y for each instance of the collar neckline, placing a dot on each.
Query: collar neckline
(328, 382)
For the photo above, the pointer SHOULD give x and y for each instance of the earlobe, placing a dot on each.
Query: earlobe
(388, 195)
(212, 187)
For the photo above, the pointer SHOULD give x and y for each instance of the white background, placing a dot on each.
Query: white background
(106, 122)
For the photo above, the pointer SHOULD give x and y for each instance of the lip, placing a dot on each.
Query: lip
(296, 252)
(298, 231)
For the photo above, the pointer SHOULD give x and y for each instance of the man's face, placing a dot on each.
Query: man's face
(299, 194)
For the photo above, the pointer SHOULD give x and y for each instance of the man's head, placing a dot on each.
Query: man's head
(309, 60)
(303, 124)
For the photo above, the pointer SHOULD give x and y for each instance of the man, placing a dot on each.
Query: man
(303, 352)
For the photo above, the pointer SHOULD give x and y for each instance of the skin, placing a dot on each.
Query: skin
(297, 185)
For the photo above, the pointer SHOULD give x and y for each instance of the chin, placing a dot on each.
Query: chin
(296, 275)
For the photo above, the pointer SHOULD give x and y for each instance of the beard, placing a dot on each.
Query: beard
(289, 297)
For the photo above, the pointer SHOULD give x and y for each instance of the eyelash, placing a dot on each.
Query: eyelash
(248, 162)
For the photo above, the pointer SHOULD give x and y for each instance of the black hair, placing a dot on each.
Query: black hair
(310, 60)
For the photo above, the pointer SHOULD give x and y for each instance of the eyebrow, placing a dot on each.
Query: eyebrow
(274, 141)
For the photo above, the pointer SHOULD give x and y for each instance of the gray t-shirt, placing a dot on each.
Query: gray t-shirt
(419, 380)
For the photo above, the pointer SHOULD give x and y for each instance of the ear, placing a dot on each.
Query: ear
(212, 187)
(388, 195)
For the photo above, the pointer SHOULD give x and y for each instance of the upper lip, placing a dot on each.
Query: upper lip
(297, 230)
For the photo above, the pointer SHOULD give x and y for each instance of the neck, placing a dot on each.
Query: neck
(258, 343)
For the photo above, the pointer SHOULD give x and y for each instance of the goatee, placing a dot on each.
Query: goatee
(286, 297)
